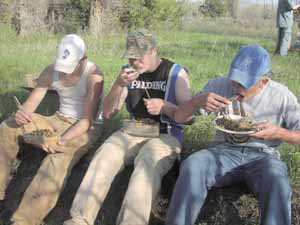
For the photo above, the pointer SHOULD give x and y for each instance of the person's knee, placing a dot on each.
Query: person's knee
(275, 171)
(107, 162)
(9, 136)
(274, 167)
(196, 163)
(76, 221)
(151, 161)
(154, 156)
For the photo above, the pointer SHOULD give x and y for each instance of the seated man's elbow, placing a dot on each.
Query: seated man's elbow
(179, 118)
(86, 123)
(109, 114)
(105, 114)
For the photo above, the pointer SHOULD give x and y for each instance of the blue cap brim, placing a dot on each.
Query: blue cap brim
(241, 77)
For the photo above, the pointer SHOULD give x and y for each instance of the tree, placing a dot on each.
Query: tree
(213, 8)
(150, 14)
(98, 10)
(55, 15)
(6, 9)
(233, 7)
(30, 16)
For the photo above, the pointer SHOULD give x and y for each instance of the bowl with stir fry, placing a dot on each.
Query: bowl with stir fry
(234, 124)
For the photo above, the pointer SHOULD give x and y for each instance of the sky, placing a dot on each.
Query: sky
(247, 2)
(259, 1)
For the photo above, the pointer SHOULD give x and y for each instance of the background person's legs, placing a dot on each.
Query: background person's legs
(279, 40)
(284, 40)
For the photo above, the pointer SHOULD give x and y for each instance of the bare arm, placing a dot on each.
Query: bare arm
(208, 101)
(296, 7)
(290, 114)
(291, 5)
(182, 91)
(155, 106)
(36, 96)
(293, 137)
(95, 88)
(115, 99)
(270, 131)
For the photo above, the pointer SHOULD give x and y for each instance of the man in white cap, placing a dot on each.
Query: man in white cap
(79, 84)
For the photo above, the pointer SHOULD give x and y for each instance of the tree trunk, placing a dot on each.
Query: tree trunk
(97, 16)
(31, 16)
(233, 8)
(55, 15)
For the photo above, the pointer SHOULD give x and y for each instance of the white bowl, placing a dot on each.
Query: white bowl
(233, 117)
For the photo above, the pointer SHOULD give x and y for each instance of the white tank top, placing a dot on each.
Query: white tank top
(71, 99)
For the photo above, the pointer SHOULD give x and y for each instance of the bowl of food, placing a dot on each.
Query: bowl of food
(234, 124)
(141, 127)
(41, 137)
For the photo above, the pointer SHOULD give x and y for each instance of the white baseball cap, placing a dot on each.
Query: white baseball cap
(70, 51)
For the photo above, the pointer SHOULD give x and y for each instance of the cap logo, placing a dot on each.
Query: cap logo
(66, 54)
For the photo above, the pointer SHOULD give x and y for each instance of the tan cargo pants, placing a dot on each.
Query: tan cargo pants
(152, 158)
(43, 192)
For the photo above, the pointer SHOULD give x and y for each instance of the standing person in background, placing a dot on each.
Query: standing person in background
(296, 46)
(284, 23)
(79, 84)
(151, 88)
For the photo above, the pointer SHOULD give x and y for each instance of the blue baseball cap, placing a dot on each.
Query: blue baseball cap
(249, 65)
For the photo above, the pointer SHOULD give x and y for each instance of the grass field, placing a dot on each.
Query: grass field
(205, 54)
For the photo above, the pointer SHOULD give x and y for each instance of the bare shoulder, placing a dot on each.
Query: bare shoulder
(183, 78)
(46, 76)
(183, 74)
(182, 88)
(95, 78)
(95, 72)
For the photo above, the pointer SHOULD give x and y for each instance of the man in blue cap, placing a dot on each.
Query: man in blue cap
(255, 162)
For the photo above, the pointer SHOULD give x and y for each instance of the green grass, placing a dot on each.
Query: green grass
(205, 54)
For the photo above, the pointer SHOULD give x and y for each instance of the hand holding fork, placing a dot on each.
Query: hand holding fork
(22, 117)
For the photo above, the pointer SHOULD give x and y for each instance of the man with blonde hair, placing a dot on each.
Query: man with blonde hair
(151, 87)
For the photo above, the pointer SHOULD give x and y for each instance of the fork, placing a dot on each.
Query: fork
(234, 108)
(19, 106)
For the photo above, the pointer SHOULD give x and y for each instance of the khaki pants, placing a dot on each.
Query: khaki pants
(152, 158)
(43, 192)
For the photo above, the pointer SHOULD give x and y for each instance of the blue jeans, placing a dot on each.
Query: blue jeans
(223, 165)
